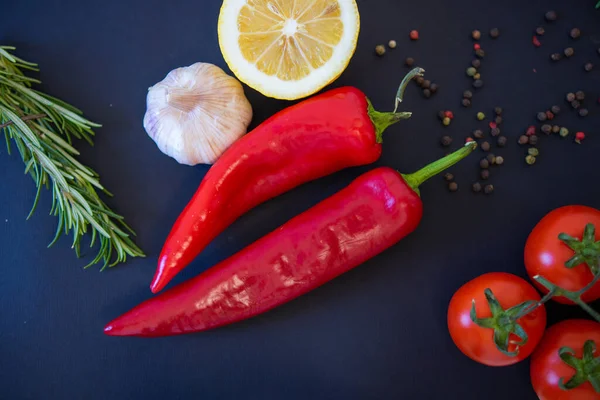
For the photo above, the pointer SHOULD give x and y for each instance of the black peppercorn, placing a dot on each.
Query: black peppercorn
(426, 84)
(494, 33)
(546, 129)
(478, 84)
(484, 163)
(434, 87)
(580, 95)
(555, 128)
(467, 94)
(446, 141)
(409, 62)
(480, 53)
(448, 177)
(427, 93)
(485, 174)
(466, 103)
(420, 80)
(555, 110)
(570, 97)
(478, 133)
(491, 159)
(583, 112)
(540, 31)
(541, 116)
(477, 187)
(523, 139)
(485, 146)
(575, 104)
(575, 33)
(498, 110)
(453, 186)
(498, 120)
(551, 16)
(569, 52)
(441, 114)
(555, 56)
(488, 189)
(501, 142)
(495, 131)
(588, 67)
(533, 139)
(476, 63)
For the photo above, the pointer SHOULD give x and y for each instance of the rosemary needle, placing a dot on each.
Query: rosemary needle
(42, 129)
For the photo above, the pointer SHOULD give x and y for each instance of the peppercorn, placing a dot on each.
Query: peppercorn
(446, 141)
(446, 121)
(480, 116)
(549, 115)
(478, 84)
(453, 186)
(569, 51)
(477, 187)
(533, 139)
(491, 159)
(485, 174)
(426, 93)
(580, 95)
(583, 112)
(530, 130)
(441, 114)
(530, 160)
(466, 103)
(409, 62)
(484, 163)
(540, 31)
(495, 131)
(523, 139)
(570, 97)
(476, 46)
(476, 35)
(588, 67)
(546, 129)
(551, 16)
(575, 104)
(480, 53)
(536, 42)
(449, 114)
(541, 116)
(478, 133)
(579, 136)
(433, 87)
(575, 33)
(426, 84)
(563, 132)
(555, 110)
(392, 44)
(533, 151)
(501, 142)
(499, 160)
(471, 71)
(555, 56)
(498, 110)
(476, 63)
(489, 189)
(494, 33)
(448, 177)
(420, 80)
(485, 146)
(380, 50)
(555, 128)
(498, 120)
(477, 76)
(467, 94)
(414, 35)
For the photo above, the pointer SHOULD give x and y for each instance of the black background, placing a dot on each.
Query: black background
(378, 332)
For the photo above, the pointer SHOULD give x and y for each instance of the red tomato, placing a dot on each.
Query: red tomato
(477, 342)
(547, 367)
(546, 255)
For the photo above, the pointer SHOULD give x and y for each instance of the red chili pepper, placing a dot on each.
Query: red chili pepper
(373, 213)
(317, 137)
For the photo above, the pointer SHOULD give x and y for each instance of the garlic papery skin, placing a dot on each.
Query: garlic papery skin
(196, 113)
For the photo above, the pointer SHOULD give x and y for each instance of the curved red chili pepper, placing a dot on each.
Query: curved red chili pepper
(373, 213)
(317, 137)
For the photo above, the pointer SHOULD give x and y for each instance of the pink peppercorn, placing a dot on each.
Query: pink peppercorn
(536, 41)
(414, 35)
(530, 131)
(449, 114)
(476, 46)
(579, 136)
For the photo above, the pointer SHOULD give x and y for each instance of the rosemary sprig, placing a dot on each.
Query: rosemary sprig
(42, 129)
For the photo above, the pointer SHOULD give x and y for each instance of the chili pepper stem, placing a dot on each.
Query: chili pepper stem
(415, 179)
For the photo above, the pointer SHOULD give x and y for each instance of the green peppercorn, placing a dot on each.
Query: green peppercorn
(480, 116)
(476, 63)
(476, 35)
(546, 129)
(426, 93)
(446, 121)
(478, 133)
(499, 160)
(583, 112)
(453, 186)
(477, 187)
(491, 159)
(466, 103)
(489, 189)
(564, 132)
(533, 151)
(580, 95)
(533, 139)
(484, 163)
(446, 141)
(555, 110)
(448, 177)
(530, 160)
(570, 97)
(477, 84)
(523, 139)
(485, 146)
(555, 128)
(551, 16)
(575, 33)
(569, 51)
(485, 174)
(467, 94)
(380, 50)
(555, 56)
(409, 62)
(480, 53)
(498, 110)
(495, 131)
(541, 116)
(392, 44)
(540, 31)
(471, 71)
(494, 33)
(501, 142)
(433, 87)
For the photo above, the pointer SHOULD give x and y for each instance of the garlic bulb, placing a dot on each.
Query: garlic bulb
(196, 113)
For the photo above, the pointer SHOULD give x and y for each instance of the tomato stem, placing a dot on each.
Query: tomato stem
(587, 250)
(587, 368)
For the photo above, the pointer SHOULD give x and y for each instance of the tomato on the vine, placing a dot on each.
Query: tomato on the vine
(487, 327)
(546, 254)
(575, 371)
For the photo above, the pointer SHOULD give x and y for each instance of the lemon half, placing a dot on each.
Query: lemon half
(288, 49)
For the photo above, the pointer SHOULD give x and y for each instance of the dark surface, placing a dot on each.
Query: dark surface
(379, 332)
